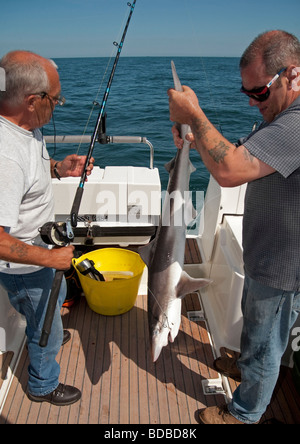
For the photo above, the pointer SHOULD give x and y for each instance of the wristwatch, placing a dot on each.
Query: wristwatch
(56, 172)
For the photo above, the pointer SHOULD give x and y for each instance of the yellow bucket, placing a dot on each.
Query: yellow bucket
(122, 270)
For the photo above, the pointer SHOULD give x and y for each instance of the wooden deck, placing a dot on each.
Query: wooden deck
(108, 359)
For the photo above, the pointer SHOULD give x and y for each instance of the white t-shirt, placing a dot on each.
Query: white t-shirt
(26, 198)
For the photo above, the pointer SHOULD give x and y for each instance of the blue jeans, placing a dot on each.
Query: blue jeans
(29, 294)
(269, 315)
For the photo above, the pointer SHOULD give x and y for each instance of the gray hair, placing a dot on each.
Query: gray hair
(23, 77)
(278, 50)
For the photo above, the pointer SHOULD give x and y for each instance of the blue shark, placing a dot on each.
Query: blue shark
(168, 283)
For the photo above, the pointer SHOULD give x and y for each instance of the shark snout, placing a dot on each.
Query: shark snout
(158, 342)
(165, 329)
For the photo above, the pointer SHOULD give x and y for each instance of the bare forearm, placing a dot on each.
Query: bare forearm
(216, 152)
(16, 251)
(230, 165)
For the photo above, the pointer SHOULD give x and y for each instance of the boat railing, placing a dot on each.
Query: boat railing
(110, 139)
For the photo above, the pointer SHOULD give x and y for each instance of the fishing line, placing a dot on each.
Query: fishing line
(194, 222)
(95, 101)
(54, 133)
(101, 116)
(72, 221)
(214, 107)
(167, 319)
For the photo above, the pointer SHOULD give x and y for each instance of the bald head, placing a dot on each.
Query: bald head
(27, 57)
(26, 73)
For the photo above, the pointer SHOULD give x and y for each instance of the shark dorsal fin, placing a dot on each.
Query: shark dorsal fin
(147, 251)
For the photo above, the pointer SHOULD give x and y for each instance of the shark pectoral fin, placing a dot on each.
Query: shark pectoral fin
(146, 252)
(188, 285)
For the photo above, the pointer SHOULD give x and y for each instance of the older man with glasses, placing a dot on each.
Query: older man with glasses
(32, 91)
(269, 161)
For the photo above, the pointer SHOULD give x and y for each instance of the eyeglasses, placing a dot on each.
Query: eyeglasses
(60, 100)
(262, 94)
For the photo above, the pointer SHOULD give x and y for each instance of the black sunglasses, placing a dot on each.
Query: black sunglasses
(262, 94)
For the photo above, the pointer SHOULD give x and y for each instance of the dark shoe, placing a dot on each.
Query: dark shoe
(61, 396)
(216, 415)
(227, 367)
(66, 337)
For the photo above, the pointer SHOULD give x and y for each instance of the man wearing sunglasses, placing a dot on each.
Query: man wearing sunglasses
(269, 161)
(26, 204)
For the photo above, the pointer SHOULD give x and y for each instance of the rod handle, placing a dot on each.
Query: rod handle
(76, 206)
(51, 308)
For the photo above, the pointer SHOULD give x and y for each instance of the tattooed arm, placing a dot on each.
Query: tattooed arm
(230, 165)
(14, 250)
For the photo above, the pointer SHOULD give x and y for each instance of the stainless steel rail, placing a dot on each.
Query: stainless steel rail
(111, 139)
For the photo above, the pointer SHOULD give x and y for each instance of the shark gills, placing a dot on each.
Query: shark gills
(164, 256)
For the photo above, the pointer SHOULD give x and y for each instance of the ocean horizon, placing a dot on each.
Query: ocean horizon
(138, 106)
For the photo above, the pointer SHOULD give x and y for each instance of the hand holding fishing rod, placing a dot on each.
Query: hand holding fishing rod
(52, 233)
(61, 233)
(73, 166)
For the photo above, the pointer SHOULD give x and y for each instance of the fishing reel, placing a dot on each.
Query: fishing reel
(59, 234)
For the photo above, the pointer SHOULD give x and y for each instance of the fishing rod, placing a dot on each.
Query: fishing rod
(61, 234)
(80, 189)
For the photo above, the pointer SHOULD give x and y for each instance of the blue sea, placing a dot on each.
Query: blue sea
(138, 106)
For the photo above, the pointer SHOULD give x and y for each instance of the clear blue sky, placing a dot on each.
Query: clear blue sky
(76, 28)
